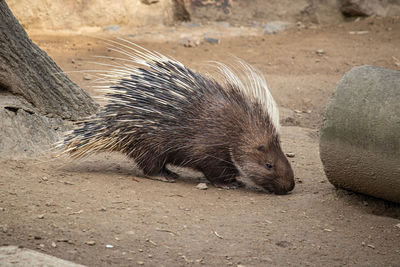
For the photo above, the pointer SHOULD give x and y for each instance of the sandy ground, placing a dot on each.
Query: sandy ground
(99, 212)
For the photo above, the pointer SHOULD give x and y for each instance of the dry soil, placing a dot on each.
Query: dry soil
(100, 212)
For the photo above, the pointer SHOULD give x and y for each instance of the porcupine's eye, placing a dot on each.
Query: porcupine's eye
(268, 166)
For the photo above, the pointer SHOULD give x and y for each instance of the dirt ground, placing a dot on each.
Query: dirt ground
(100, 212)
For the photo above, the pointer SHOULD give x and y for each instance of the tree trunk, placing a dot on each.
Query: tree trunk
(36, 97)
(29, 73)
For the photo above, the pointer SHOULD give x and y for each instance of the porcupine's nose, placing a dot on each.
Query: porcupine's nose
(287, 183)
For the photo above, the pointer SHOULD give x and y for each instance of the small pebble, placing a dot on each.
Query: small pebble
(397, 225)
(320, 52)
(371, 246)
(189, 42)
(327, 230)
(91, 243)
(109, 246)
(53, 244)
(140, 262)
(358, 32)
(41, 216)
(290, 155)
(191, 24)
(112, 28)
(202, 186)
(87, 77)
(211, 40)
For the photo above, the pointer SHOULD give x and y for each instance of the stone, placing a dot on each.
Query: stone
(274, 27)
(211, 40)
(202, 186)
(24, 132)
(112, 28)
(22, 257)
(354, 8)
(91, 243)
(360, 134)
(189, 41)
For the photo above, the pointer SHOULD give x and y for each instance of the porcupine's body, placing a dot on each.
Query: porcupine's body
(160, 112)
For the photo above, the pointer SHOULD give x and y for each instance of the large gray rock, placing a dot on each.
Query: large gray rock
(360, 135)
(12, 256)
(24, 132)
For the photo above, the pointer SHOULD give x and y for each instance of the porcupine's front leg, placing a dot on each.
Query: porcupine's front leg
(159, 173)
(222, 177)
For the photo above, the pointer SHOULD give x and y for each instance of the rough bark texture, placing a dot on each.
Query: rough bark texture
(35, 95)
(28, 72)
(360, 135)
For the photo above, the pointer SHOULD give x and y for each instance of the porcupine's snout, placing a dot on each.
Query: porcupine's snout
(284, 181)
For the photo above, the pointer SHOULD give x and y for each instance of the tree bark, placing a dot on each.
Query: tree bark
(37, 100)
(29, 74)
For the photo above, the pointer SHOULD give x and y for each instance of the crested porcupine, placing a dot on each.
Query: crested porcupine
(159, 112)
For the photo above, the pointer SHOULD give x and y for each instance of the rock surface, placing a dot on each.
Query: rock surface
(62, 15)
(21, 257)
(24, 133)
(360, 135)
(274, 27)
(370, 7)
(88, 16)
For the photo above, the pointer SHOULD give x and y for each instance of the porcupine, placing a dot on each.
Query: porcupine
(160, 112)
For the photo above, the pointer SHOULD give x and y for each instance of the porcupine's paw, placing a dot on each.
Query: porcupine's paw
(229, 185)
